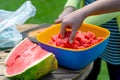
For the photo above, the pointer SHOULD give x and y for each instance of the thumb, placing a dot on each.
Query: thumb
(59, 20)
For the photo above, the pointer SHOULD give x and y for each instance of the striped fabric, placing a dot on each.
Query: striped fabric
(112, 52)
(89, 1)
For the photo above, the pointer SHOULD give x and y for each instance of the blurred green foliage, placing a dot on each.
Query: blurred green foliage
(47, 10)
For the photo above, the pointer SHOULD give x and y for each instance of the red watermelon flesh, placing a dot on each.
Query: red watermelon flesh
(82, 40)
(24, 56)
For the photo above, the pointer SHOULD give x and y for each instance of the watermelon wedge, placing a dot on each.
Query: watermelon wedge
(28, 61)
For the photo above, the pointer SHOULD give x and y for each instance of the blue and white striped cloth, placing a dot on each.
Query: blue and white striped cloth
(112, 52)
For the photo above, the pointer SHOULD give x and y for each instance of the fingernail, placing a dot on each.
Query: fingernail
(71, 41)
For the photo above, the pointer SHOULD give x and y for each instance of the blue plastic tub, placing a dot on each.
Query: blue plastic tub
(71, 58)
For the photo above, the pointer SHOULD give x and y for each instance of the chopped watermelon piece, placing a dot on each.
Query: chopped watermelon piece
(82, 40)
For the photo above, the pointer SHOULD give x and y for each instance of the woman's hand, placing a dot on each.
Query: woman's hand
(75, 18)
(73, 21)
(66, 11)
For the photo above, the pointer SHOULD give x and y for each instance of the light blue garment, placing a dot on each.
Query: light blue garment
(112, 52)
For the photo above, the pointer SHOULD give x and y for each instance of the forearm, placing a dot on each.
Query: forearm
(100, 7)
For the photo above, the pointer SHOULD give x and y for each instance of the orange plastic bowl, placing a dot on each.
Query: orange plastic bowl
(71, 58)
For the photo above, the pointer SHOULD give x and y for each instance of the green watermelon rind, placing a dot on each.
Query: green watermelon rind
(37, 70)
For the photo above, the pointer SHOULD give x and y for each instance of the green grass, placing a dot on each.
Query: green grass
(104, 72)
(47, 12)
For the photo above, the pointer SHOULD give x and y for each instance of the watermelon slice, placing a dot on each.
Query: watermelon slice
(82, 40)
(28, 61)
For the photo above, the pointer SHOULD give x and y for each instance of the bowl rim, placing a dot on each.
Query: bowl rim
(69, 49)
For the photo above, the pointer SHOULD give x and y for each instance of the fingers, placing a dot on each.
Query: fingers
(73, 34)
(63, 30)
